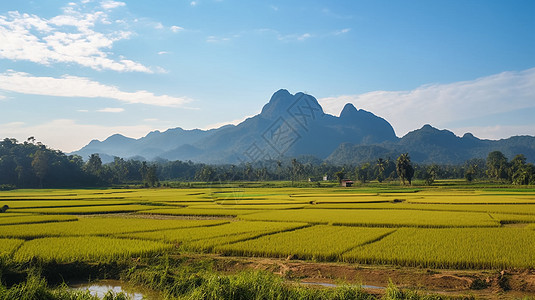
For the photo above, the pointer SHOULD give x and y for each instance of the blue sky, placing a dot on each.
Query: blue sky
(73, 71)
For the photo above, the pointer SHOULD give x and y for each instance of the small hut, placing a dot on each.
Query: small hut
(347, 183)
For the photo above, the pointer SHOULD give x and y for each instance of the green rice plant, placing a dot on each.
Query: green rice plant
(451, 248)
(321, 242)
(98, 226)
(378, 217)
(523, 209)
(208, 244)
(81, 210)
(90, 248)
(35, 219)
(198, 212)
(223, 230)
(7, 246)
(260, 206)
(13, 214)
(513, 218)
(23, 204)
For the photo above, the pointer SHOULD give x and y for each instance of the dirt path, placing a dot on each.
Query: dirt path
(485, 284)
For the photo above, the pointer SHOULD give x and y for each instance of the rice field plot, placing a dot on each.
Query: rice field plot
(214, 212)
(474, 197)
(207, 245)
(81, 210)
(97, 226)
(523, 209)
(92, 248)
(513, 218)
(23, 204)
(7, 246)
(223, 231)
(464, 248)
(249, 206)
(378, 217)
(9, 214)
(320, 242)
(172, 195)
(264, 200)
(27, 219)
(329, 198)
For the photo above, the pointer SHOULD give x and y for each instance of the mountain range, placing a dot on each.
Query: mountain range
(296, 125)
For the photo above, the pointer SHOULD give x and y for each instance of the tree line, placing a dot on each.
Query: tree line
(31, 164)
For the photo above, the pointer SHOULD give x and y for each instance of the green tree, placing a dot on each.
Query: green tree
(469, 174)
(363, 172)
(206, 173)
(340, 175)
(404, 168)
(297, 170)
(151, 178)
(497, 166)
(521, 172)
(40, 165)
(431, 174)
(380, 170)
(94, 165)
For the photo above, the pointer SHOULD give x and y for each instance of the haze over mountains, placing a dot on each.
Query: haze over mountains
(296, 125)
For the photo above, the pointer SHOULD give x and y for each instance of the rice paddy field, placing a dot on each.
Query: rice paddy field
(458, 227)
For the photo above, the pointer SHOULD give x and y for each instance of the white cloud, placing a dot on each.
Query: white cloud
(345, 30)
(175, 28)
(304, 36)
(73, 86)
(111, 4)
(215, 39)
(111, 110)
(67, 38)
(193, 3)
(163, 52)
(150, 120)
(67, 135)
(445, 104)
(219, 124)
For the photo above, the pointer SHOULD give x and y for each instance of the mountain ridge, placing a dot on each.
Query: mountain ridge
(296, 125)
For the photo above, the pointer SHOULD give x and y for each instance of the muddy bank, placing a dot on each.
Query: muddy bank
(486, 284)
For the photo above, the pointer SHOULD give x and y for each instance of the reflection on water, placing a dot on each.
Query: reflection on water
(101, 288)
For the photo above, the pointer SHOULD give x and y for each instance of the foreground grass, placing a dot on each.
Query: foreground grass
(178, 279)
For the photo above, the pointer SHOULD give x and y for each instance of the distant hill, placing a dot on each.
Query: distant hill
(296, 126)
(430, 145)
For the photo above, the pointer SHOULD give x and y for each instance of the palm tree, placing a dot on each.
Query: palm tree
(380, 170)
(404, 168)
